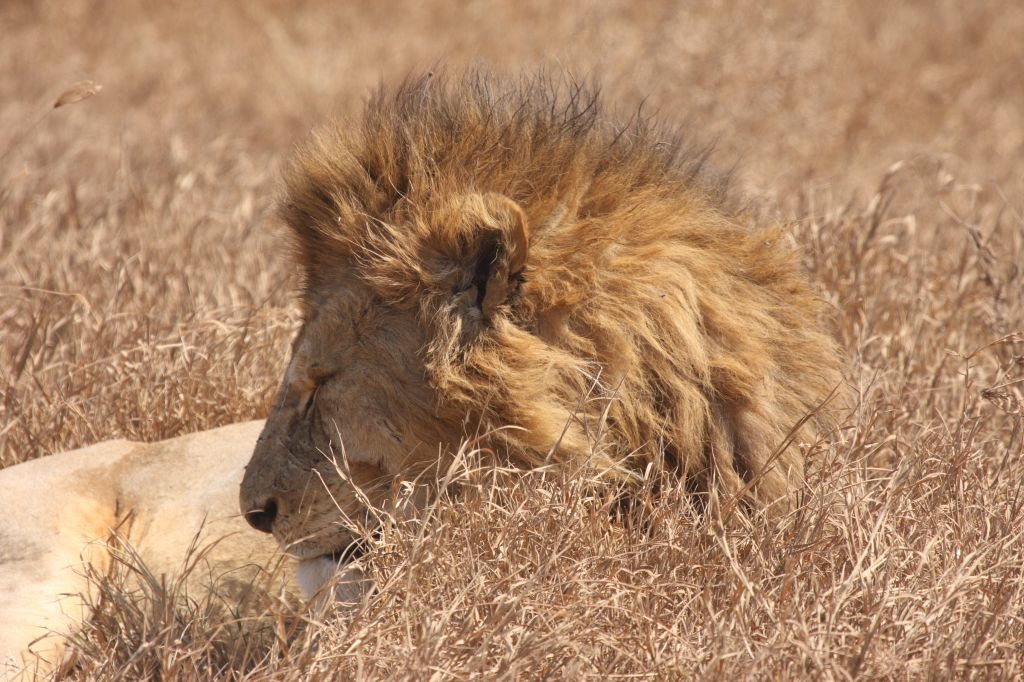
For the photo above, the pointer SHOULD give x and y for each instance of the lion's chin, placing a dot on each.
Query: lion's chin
(325, 578)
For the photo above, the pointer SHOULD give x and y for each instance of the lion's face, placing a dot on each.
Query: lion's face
(360, 407)
(346, 419)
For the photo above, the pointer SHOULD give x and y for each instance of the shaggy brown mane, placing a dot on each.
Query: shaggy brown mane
(643, 322)
(532, 140)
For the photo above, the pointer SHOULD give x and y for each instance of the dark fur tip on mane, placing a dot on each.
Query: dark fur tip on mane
(537, 139)
(543, 112)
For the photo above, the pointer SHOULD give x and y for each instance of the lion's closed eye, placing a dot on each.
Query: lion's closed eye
(307, 401)
(316, 382)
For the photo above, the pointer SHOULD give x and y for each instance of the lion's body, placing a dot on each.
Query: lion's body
(60, 512)
(498, 261)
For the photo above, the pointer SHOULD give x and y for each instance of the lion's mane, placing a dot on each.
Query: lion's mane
(653, 323)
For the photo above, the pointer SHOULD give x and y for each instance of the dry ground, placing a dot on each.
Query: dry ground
(144, 293)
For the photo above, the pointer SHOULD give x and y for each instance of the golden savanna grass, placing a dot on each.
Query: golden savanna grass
(145, 293)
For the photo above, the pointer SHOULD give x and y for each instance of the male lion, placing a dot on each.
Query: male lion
(483, 260)
(499, 261)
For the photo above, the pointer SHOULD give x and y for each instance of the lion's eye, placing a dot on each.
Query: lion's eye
(307, 401)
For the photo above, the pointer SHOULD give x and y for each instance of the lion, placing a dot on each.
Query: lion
(484, 260)
(64, 512)
(503, 263)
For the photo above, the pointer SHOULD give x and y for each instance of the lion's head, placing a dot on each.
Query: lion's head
(494, 260)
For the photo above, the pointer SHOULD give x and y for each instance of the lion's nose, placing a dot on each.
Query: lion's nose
(262, 517)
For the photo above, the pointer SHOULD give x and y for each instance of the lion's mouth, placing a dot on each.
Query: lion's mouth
(342, 555)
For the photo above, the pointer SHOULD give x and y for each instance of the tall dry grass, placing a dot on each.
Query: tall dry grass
(145, 293)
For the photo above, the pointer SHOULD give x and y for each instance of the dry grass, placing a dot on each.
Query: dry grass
(145, 294)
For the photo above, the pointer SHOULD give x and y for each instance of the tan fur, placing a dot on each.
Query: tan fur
(496, 259)
(61, 511)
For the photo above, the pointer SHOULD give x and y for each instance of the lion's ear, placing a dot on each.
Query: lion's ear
(501, 237)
